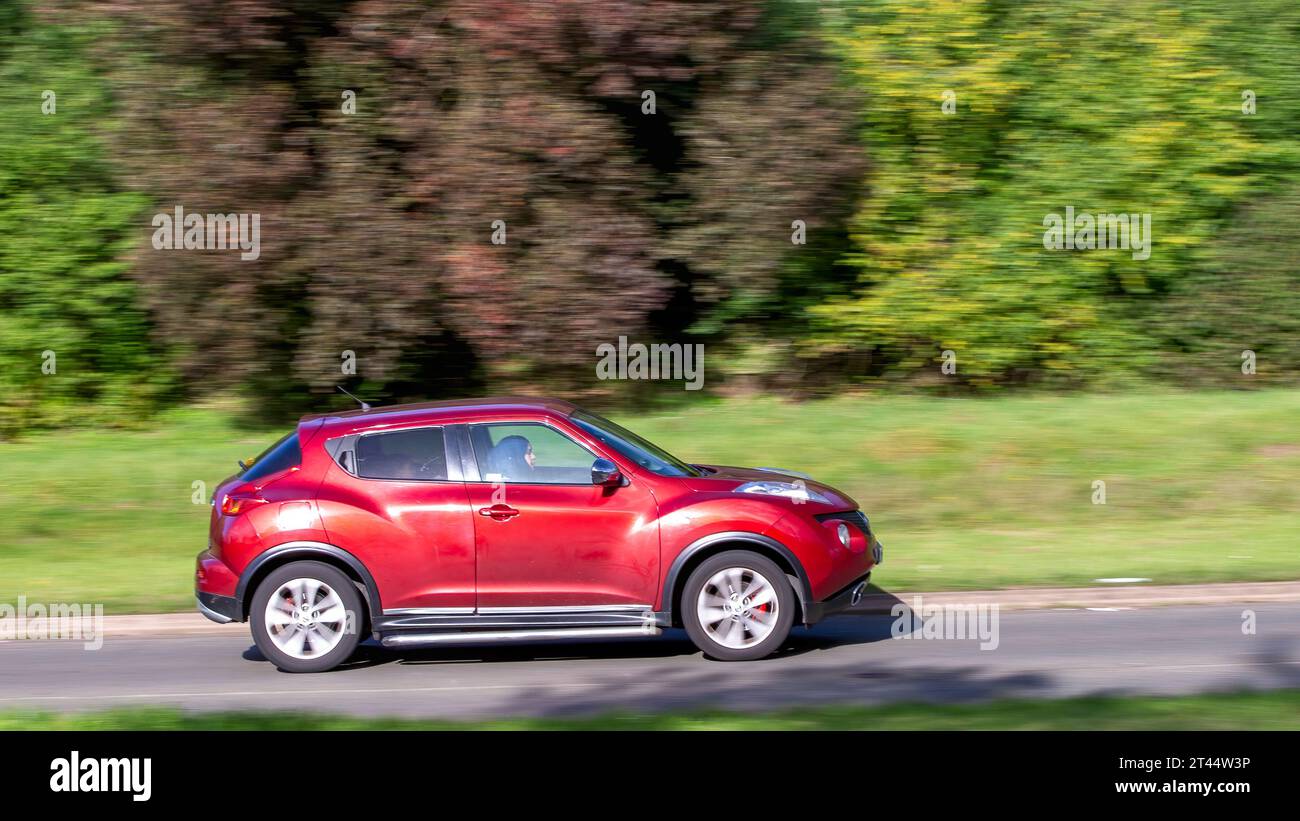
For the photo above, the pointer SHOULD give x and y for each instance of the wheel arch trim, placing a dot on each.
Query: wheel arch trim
(292, 551)
(674, 579)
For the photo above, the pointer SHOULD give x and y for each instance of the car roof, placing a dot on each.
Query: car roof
(422, 411)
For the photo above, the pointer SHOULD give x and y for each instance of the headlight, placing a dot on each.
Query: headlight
(790, 490)
(843, 532)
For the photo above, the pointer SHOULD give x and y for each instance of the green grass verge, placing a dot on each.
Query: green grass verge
(964, 493)
(1277, 710)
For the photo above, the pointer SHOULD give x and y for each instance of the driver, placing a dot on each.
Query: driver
(512, 459)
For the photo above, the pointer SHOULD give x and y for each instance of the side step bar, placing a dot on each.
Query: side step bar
(491, 636)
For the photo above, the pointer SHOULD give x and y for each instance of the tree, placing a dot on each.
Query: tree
(467, 122)
(982, 121)
(74, 340)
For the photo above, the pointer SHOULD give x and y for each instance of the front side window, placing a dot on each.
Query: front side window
(529, 453)
(418, 454)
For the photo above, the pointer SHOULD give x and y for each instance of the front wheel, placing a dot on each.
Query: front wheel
(306, 617)
(738, 606)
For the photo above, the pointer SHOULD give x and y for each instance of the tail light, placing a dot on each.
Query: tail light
(232, 504)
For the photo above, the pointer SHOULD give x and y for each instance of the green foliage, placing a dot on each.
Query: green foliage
(924, 229)
(1269, 710)
(64, 231)
(1246, 299)
(1110, 107)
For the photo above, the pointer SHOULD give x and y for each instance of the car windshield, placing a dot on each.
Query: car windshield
(649, 456)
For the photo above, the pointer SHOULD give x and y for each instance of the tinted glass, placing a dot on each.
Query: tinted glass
(402, 454)
(283, 455)
(646, 454)
(529, 454)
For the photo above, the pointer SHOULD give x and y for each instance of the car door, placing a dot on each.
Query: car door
(395, 500)
(545, 536)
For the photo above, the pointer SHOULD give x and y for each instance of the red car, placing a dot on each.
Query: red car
(512, 519)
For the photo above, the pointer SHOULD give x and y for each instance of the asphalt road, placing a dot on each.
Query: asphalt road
(846, 659)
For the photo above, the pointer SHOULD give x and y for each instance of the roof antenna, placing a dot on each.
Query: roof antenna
(364, 406)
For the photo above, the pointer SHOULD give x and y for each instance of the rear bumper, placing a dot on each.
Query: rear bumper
(221, 609)
(841, 601)
(212, 575)
(214, 588)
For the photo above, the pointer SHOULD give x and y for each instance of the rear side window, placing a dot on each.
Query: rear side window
(283, 455)
(419, 454)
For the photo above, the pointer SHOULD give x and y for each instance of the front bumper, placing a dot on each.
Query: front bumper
(843, 600)
(221, 609)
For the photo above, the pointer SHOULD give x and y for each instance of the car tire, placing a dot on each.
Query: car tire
(738, 606)
(310, 639)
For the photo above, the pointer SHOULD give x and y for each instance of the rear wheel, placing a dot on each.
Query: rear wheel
(305, 617)
(738, 606)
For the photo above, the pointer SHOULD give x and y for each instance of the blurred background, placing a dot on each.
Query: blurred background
(843, 202)
(648, 161)
(836, 199)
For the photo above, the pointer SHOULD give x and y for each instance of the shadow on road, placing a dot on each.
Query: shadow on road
(1043, 655)
(847, 629)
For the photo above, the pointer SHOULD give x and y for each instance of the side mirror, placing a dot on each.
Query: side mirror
(605, 472)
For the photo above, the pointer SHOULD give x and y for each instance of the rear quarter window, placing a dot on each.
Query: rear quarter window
(284, 454)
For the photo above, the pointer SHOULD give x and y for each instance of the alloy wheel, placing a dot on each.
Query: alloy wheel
(306, 618)
(737, 607)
